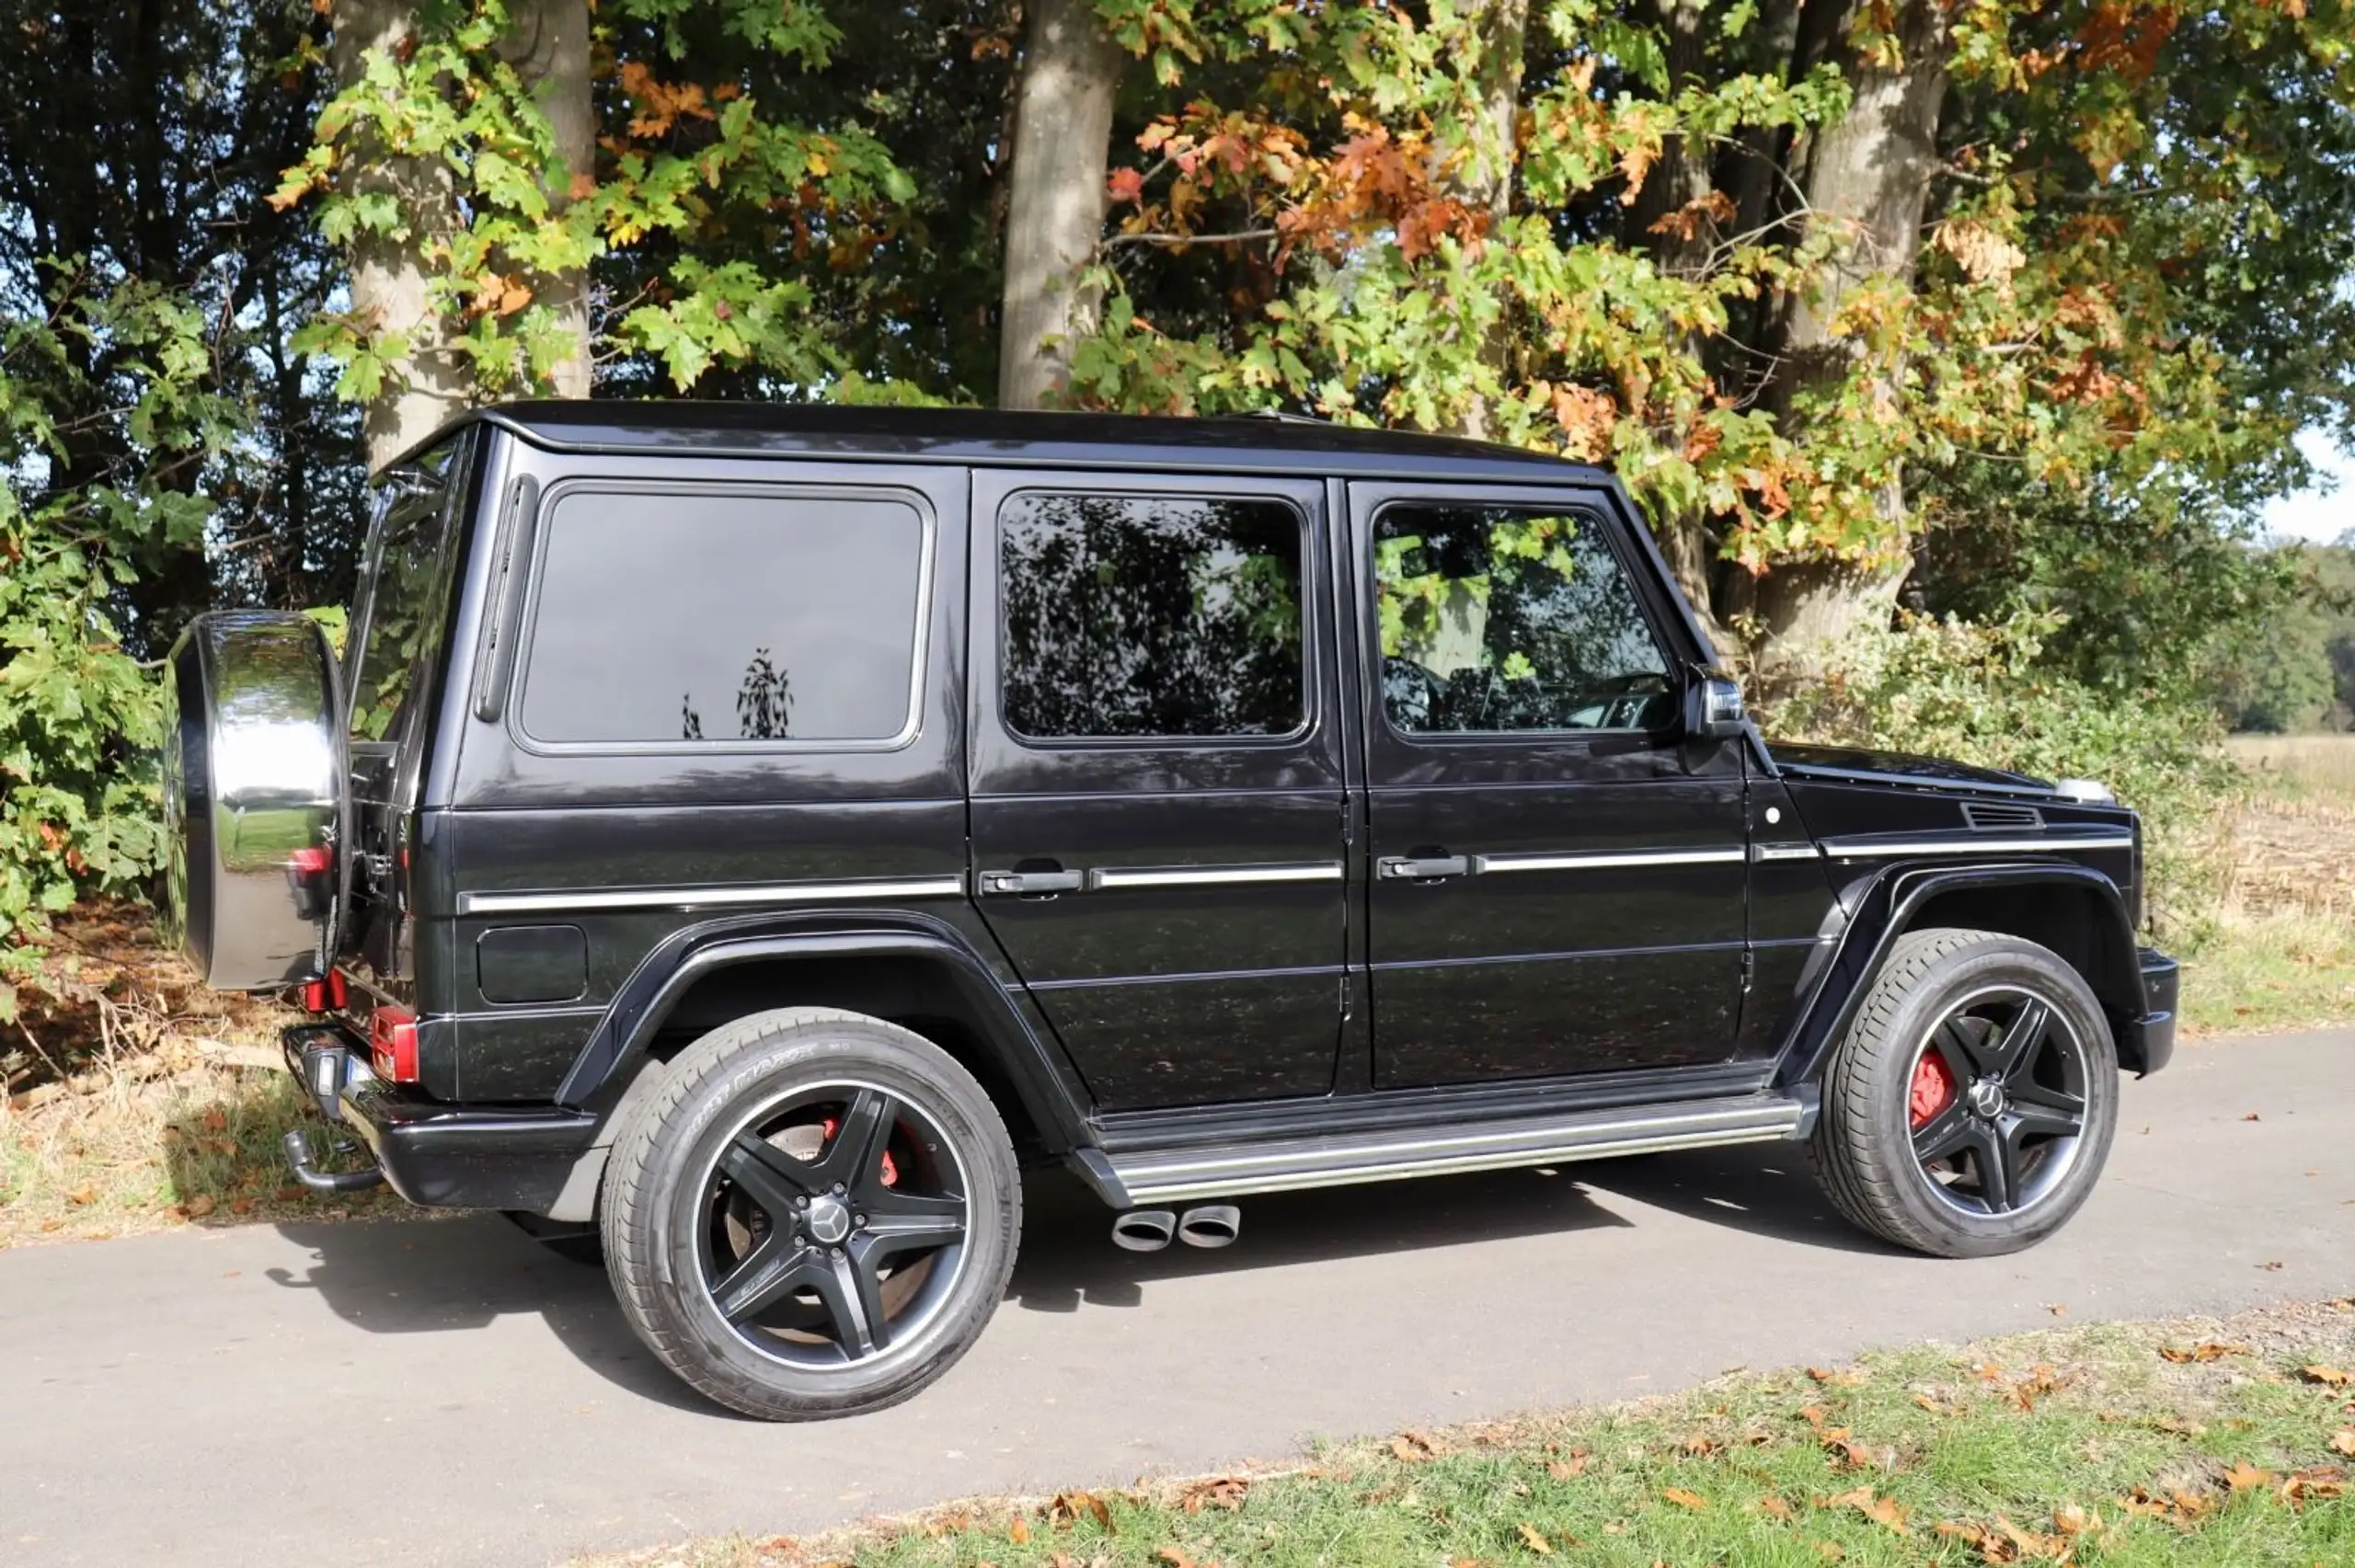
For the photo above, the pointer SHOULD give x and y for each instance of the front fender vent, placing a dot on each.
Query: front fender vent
(1988, 818)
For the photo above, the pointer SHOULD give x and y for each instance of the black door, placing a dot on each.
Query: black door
(1558, 879)
(1157, 784)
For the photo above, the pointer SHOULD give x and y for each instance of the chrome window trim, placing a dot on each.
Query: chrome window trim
(753, 893)
(1111, 878)
(1968, 843)
(1602, 860)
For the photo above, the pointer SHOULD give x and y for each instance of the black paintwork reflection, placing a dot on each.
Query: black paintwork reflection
(1478, 1023)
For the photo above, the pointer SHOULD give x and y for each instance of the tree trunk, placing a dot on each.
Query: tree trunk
(1867, 180)
(427, 381)
(1056, 205)
(550, 46)
(1499, 32)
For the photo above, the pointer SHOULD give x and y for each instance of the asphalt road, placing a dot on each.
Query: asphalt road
(447, 1393)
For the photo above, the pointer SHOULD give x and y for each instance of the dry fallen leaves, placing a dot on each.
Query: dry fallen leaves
(1570, 1469)
(1017, 1531)
(2206, 1350)
(2329, 1377)
(1175, 1557)
(1217, 1491)
(1836, 1379)
(2343, 1441)
(1885, 1511)
(2322, 1482)
(1536, 1541)
(2246, 1477)
(1411, 1446)
(1067, 1508)
(1684, 1499)
(1777, 1507)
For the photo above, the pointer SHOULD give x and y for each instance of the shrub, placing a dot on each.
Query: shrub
(1976, 693)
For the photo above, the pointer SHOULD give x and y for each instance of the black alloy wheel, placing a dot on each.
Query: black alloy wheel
(1971, 1104)
(811, 1213)
(1996, 1101)
(837, 1224)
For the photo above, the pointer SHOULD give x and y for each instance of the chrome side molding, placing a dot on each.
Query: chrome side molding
(1968, 842)
(727, 896)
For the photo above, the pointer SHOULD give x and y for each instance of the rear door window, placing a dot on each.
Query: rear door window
(687, 618)
(1140, 616)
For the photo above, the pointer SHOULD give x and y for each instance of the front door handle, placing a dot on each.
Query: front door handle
(1033, 882)
(1421, 868)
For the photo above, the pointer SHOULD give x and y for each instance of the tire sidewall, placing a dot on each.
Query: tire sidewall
(2002, 964)
(685, 1142)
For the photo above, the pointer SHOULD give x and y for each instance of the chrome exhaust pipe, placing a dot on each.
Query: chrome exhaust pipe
(1211, 1225)
(1143, 1229)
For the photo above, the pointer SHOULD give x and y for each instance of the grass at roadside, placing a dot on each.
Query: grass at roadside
(138, 1100)
(2190, 1442)
(2276, 949)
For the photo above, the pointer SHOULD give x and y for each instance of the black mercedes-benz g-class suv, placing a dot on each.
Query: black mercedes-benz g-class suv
(753, 831)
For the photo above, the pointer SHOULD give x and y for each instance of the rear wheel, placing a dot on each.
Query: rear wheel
(1971, 1105)
(815, 1215)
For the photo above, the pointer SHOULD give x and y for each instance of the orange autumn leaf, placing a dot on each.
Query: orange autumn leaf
(1684, 1499)
(1536, 1541)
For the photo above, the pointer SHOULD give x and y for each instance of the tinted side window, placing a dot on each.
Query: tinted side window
(706, 617)
(1502, 619)
(1147, 615)
(405, 584)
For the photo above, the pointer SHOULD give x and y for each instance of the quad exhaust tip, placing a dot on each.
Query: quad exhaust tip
(1150, 1229)
(1143, 1229)
(1211, 1225)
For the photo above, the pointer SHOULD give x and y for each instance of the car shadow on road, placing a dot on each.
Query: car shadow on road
(446, 1275)
(1068, 1259)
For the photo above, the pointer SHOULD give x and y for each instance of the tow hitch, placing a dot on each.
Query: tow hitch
(325, 1061)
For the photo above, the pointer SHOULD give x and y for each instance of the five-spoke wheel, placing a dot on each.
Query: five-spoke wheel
(813, 1214)
(1973, 1103)
(836, 1223)
(1996, 1101)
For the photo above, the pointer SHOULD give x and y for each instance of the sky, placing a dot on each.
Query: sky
(2325, 511)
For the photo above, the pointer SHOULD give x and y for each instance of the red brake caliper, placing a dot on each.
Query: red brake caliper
(1932, 1088)
(890, 1170)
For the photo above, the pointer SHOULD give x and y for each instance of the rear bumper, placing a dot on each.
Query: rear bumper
(2153, 1045)
(440, 1156)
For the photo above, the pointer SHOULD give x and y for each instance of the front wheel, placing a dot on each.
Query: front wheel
(1971, 1105)
(815, 1217)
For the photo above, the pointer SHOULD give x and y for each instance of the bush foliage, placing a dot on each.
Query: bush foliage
(86, 504)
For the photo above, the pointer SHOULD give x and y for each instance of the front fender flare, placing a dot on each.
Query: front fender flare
(1884, 910)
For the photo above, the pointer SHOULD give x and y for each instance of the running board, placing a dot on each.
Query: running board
(1340, 1161)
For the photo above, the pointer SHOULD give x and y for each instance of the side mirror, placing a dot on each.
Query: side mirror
(1713, 710)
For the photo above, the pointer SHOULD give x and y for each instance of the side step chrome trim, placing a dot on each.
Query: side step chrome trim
(1284, 1166)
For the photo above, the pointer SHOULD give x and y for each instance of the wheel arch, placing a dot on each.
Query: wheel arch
(914, 972)
(2074, 910)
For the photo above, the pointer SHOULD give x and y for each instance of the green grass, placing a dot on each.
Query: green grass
(2030, 1449)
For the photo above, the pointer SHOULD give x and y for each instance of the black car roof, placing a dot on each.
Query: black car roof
(983, 435)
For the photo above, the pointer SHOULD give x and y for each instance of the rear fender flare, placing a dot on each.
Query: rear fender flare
(618, 1049)
(1886, 908)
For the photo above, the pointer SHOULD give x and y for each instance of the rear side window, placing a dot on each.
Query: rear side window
(692, 618)
(1136, 616)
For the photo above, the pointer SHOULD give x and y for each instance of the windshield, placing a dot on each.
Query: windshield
(404, 585)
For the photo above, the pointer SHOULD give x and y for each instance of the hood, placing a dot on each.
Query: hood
(1895, 767)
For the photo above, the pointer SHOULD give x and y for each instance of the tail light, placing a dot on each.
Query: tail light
(392, 1044)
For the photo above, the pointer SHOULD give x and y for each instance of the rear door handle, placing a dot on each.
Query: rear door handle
(1032, 882)
(1428, 868)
